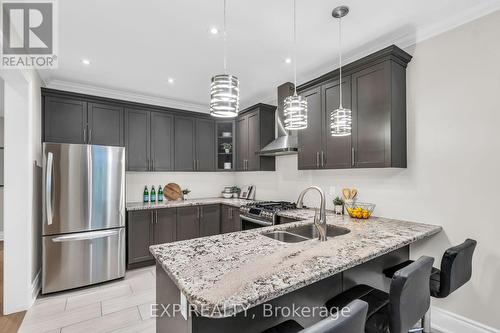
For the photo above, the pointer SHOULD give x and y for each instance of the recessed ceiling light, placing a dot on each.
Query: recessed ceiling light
(288, 60)
(170, 80)
(86, 61)
(214, 31)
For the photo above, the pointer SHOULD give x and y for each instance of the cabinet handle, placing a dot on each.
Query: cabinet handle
(194, 164)
(201, 212)
(353, 152)
(90, 135)
(148, 167)
(85, 135)
(156, 216)
(153, 164)
(322, 159)
(317, 159)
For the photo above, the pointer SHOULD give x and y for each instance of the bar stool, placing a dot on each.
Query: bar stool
(405, 305)
(351, 320)
(456, 270)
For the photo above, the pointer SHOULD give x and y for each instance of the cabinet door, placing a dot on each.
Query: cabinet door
(184, 144)
(188, 225)
(226, 223)
(230, 219)
(105, 123)
(65, 120)
(241, 143)
(372, 116)
(165, 226)
(137, 139)
(253, 160)
(162, 141)
(139, 236)
(205, 145)
(337, 148)
(210, 220)
(235, 217)
(309, 139)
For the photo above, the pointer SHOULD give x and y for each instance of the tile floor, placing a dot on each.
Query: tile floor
(119, 306)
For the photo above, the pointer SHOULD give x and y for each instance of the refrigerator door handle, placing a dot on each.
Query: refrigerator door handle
(86, 236)
(48, 187)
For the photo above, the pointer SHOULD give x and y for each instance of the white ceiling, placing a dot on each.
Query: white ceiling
(135, 46)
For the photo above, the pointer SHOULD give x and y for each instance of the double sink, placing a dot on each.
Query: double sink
(304, 233)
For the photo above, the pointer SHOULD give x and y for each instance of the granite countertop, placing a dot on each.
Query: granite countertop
(186, 203)
(225, 274)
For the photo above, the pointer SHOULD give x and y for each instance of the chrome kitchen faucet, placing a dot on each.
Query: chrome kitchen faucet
(321, 224)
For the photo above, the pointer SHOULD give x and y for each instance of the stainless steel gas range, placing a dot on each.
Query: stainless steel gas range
(263, 214)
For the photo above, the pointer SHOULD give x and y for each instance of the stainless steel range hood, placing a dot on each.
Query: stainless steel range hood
(286, 142)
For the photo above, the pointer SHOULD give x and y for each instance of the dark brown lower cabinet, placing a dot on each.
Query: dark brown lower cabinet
(165, 227)
(209, 220)
(140, 236)
(230, 219)
(188, 225)
(158, 226)
(146, 228)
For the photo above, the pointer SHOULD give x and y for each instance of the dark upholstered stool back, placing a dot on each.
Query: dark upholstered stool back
(350, 320)
(456, 268)
(409, 295)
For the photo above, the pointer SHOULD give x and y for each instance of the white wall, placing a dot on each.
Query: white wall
(22, 215)
(452, 177)
(202, 184)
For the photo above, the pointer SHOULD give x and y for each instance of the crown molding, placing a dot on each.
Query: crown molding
(88, 89)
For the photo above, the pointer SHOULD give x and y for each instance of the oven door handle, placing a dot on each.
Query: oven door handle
(256, 221)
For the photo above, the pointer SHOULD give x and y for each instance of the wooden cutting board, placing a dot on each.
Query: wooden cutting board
(172, 191)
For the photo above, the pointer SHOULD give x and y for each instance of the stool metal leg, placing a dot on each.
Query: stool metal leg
(426, 322)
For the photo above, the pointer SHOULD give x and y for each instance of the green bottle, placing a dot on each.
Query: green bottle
(146, 194)
(153, 194)
(160, 193)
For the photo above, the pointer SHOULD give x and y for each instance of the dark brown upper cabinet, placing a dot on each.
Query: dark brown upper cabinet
(336, 153)
(105, 124)
(65, 120)
(205, 145)
(72, 120)
(185, 145)
(194, 144)
(149, 140)
(374, 88)
(255, 128)
(137, 140)
(310, 139)
(162, 141)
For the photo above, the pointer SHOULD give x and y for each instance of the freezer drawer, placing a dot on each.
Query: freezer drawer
(80, 259)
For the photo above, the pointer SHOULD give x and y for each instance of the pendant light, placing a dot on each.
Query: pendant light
(295, 107)
(224, 89)
(341, 118)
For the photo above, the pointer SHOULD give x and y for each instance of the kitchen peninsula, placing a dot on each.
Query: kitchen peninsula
(228, 278)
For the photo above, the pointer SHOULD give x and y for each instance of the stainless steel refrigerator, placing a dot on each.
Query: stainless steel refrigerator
(83, 234)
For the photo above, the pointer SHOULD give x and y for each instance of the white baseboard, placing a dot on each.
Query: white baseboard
(447, 322)
(36, 286)
(1, 235)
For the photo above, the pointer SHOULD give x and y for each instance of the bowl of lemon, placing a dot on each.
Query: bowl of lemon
(360, 210)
